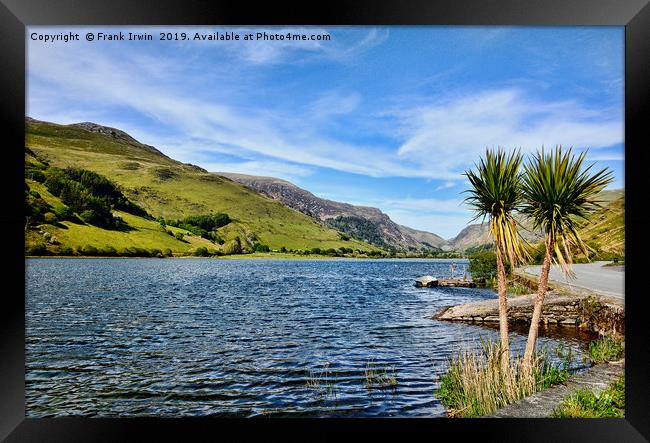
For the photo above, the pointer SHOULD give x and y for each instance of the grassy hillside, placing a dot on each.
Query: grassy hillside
(142, 233)
(605, 231)
(170, 189)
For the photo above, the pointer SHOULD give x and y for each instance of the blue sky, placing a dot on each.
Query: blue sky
(387, 117)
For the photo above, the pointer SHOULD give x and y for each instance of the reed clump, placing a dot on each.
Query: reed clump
(322, 381)
(476, 383)
(379, 377)
(606, 349)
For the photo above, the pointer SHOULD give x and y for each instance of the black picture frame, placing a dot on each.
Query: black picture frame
(15, 15)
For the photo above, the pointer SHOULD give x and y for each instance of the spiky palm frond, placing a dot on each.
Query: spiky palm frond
(496, 194)
(558, 192)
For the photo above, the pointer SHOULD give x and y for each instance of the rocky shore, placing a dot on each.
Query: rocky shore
(586, 311)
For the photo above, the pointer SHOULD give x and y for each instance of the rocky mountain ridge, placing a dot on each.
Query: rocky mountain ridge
(340, 215)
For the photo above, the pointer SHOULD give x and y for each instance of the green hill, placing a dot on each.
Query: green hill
(605, 230)
(163, 187)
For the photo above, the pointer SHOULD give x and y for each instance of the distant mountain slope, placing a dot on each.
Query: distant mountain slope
(477, 235)
(426, 238)
(605, 231)
(357, 221)
(471, 236)
(167, 188)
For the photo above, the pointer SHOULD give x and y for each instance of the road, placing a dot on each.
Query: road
(605, 280)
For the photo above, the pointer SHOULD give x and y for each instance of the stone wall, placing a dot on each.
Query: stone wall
(585, 312)
(601, 317)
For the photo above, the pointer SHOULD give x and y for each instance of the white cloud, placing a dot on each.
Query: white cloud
(91, 78)
(273, 50)
(603, 156)
(454, 132)
(333, 103)
(438, 139)
(445, 185)
(427, 205)
(285, 171)
(276, 51)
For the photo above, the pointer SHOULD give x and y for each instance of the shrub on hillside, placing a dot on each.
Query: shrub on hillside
(35, 206)
(483, 266)
(201, 252)
(63, 212)
(87, 250)
(37, 249)
(233, 247)
(35, 174)
(107, 251)
(258, 247)
(66, 250)
(49, 217)
(202, 225)
(90, 195)
(214, 237)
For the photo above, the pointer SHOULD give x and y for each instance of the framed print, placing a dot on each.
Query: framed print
(357, 219)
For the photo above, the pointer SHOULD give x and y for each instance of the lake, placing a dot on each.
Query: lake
(245, 337)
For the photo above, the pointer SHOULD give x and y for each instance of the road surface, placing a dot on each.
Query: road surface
(605, 280)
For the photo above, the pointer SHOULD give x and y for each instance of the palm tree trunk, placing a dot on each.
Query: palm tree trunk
(503, 311)
(539, 301)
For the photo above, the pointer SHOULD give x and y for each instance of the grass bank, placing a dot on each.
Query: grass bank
(585, 403)
(606, 349)
(475, 384)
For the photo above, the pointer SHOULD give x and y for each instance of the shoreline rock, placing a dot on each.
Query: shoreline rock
(586, 312)
(426, 282)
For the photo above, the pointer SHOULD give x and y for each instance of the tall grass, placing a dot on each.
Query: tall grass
(322, 381)
(606, 349)
(379, 377)
(476, 384)
(515, 287)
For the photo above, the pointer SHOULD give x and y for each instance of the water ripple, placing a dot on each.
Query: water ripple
(250, 338)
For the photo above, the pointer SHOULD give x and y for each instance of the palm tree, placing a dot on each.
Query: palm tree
(558, 193)
(496, 194)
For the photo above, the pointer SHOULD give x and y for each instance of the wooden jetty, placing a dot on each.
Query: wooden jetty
(431, 282)
(456, 283)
